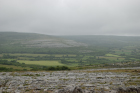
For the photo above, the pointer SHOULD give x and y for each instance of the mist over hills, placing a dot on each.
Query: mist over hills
(40, 40)
(106, 40)
(36, 40)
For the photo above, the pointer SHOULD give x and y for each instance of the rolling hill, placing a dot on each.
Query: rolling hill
(35, 40)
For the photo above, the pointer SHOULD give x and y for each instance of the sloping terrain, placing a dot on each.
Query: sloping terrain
(35, 40)
(105, 41)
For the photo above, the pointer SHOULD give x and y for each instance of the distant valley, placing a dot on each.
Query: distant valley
(30, 51)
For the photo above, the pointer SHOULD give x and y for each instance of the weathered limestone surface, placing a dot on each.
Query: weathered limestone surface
(78, 81)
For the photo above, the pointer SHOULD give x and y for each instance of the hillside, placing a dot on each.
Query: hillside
(34, 51)
(35, 40)
(41, 41)
(106, 41)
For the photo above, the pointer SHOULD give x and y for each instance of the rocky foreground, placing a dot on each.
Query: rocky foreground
(78, 81)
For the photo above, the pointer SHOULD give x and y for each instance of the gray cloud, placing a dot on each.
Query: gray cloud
(71, 17)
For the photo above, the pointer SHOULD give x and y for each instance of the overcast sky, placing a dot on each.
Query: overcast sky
(71, 17)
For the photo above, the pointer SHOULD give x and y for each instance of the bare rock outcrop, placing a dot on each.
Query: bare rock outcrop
(77, 90)
(70, 90)
(129, 90)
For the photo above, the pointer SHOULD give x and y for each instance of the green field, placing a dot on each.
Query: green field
(61, 55)
(14, 67)
(41, 55)
(45, 63)
(112, 55)
(33, 55)
(71, 59)
(114, 58)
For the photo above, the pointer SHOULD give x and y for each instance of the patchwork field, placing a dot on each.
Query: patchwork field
(96, 58)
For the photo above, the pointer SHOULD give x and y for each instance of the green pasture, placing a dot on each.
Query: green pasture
(126, 51)
(72, 64)
(24, 58)
(57, 55)
(14, 67)
(41, 55)
(33, 55)
(72, 60)
(45, 63)
(111, 55)
(86, 57)
(113, 58)
(9, 59)
(61, 55)
(118, 52)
